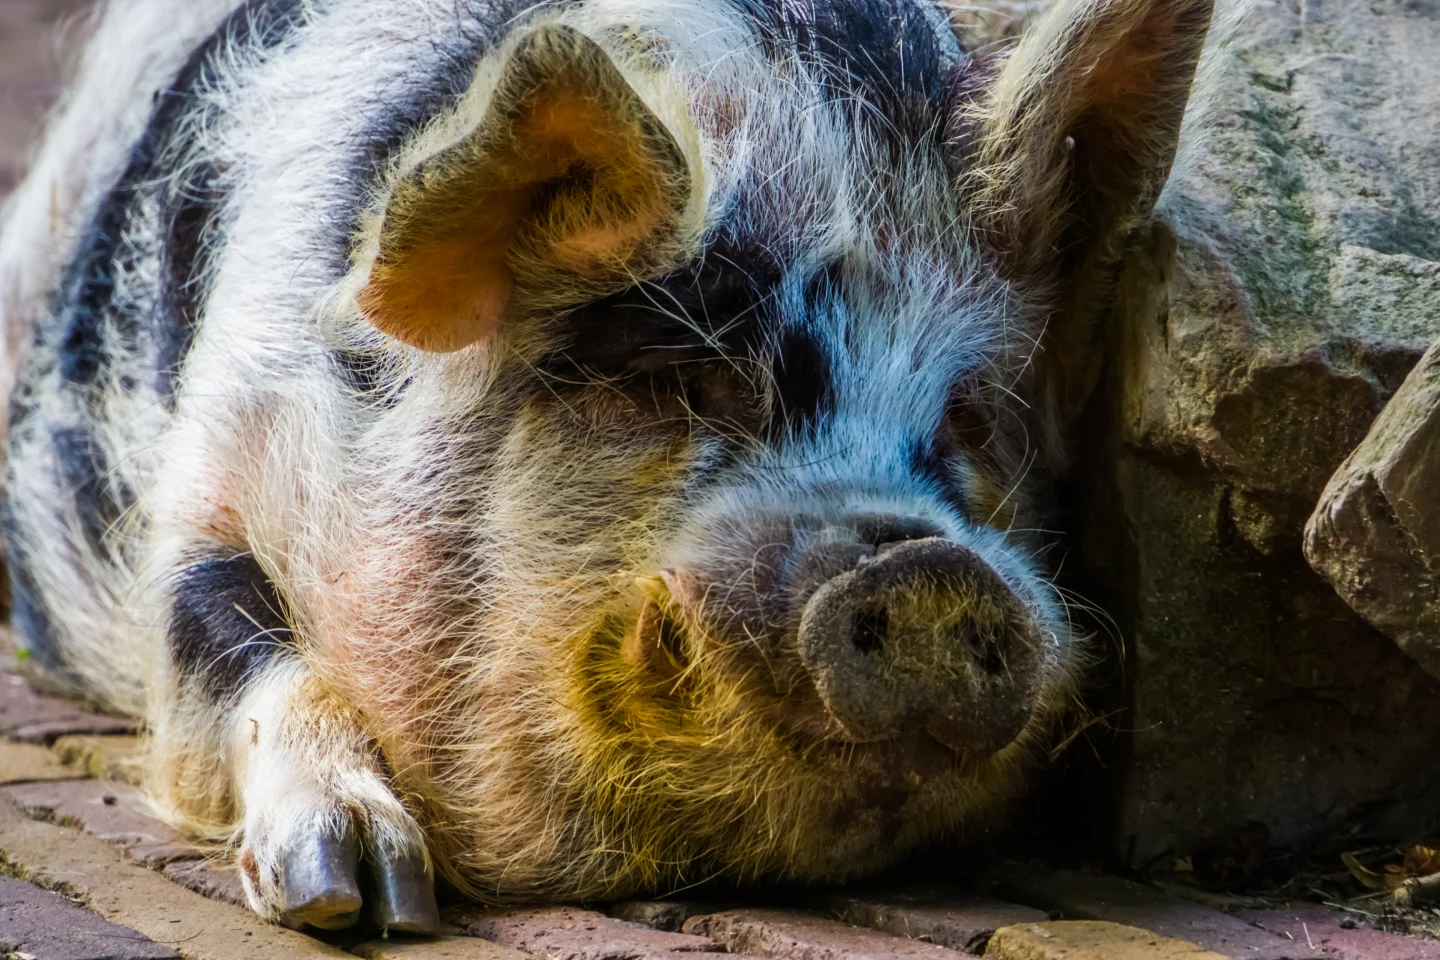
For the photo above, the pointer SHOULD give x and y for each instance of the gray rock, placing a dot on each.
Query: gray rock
(1288, 286)
(1376, 533)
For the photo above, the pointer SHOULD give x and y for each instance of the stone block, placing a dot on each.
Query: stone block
(33, 718)
(131, 895)
(793, 935)
(947, 918)
(25, 762)
(668, 915)
(37, 923)
(218, 881)
(108, 757)
(113, 812)
(570, 933)
(1376, 532)
(1089, 940)
(435, 948)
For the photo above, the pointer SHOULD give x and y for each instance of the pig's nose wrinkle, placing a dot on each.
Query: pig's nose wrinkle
(883, 529)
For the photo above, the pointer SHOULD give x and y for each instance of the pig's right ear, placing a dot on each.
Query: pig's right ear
(569, 186)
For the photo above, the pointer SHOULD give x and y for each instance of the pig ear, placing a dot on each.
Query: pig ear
(1078, 131)
(569, 187)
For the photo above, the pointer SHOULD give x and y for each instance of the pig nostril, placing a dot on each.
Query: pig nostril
(985, 649)
(870, 629)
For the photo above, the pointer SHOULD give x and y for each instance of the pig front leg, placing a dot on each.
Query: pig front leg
(321, 835)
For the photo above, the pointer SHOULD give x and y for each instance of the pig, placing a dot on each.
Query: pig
(569, 449)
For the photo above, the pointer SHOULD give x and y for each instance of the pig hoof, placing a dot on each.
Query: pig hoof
(325, 865)
(317, 883)
(404, 895)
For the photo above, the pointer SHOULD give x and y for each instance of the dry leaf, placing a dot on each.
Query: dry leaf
(1367, 877)
(1422, 861)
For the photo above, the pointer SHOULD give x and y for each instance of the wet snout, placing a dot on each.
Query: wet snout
(922, 635)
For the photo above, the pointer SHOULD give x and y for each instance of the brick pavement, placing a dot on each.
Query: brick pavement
(93, 876)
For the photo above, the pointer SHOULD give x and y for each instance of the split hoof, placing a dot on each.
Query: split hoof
(318, 885)
(403, 896)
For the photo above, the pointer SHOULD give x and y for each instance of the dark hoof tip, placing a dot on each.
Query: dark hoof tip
(318, 885)
(404, 899)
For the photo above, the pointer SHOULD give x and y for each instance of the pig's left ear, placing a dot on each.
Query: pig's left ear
(569, 186)
(1075, 136)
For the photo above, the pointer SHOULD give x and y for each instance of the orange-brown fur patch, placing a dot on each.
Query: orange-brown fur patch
(568, 174)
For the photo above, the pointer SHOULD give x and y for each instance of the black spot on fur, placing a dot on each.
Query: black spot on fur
(85, 475)
(887, 54)
(967, 81)
(84, 298)
(720, 305)
(186, 255)
(804, 390)
(684, 346)
(227, 624)
(363, 373)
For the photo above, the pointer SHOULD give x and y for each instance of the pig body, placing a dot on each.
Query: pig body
(577, 448)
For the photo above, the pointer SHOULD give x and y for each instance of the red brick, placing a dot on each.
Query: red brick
(948, 918)
(29, 717)
(1092, 896)
(569, 933)
(1319, 929)
(38, 923)
(801, 936)
(114, 812)
(127, 893)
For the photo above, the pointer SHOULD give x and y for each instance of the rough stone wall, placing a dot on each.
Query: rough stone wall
(1289, 284)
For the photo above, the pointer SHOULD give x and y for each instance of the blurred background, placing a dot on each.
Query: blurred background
(33, 51)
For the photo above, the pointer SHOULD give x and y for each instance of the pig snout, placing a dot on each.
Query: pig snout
(922, 635)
